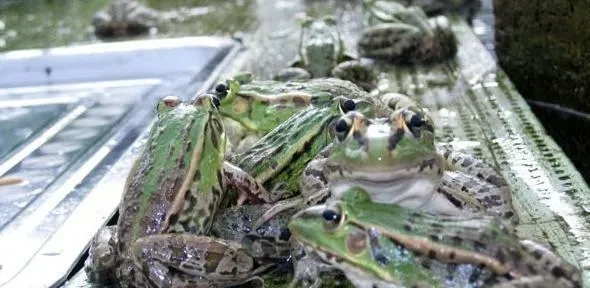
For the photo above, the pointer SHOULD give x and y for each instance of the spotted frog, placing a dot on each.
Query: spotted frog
(405, 35)
(395, 160)
(322, 54)
(387, 245)
(261, 106)
(171, 197)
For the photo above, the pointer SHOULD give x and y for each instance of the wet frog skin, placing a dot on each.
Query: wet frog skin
(172, 195)
(277, 159)
(384, 245)
(322, 54)
(395, 160)
(261, 106)
(404, 35)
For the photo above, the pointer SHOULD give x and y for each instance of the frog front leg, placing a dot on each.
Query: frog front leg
(184, 260)
(357, 72)
(313, 186)
(389, 41)
(102, 256)
(247, 186)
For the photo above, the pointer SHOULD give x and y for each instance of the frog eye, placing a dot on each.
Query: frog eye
(348, 105)
(220, 90)
(416, 121)
(341, 129)
(332, 217)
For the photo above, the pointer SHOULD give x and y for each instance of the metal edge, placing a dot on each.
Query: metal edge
(122, 46)
(96, 205)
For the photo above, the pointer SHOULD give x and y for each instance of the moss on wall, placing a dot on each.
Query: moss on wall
(544, 46)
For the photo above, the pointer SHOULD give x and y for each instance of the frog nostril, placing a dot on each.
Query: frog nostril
(348, 105)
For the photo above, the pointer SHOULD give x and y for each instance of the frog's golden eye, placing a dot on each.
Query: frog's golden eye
(332, 217)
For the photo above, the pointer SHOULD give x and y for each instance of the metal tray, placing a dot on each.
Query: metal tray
(71, 122)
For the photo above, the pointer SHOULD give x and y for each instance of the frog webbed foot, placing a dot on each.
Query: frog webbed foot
(307, 272)
(356, 71)
(292, 73)
(102, 256)
(181, 260)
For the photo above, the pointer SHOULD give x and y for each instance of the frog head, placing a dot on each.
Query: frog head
(393, 158)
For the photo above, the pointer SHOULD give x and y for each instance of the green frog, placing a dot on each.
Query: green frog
(278, 158)
(405, 35)
(261, 106)
(171, 197)
(387, 245)
(125, 18)
(396, 161)
(322, 54)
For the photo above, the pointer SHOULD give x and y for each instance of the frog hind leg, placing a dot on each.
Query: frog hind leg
(102, 256)
(495, 201)
(247, 186)
(184, 260)
(357, 72)
(458, 161)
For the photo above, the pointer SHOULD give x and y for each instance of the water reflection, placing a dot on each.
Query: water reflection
(46, 23)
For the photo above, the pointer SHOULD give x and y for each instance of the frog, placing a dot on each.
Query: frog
(322, 53)
(123, 18)
(396, 160)
(172, 194)
(388, 245)
(277, 159)
(262, 105)
(405, 35)
(466, 8)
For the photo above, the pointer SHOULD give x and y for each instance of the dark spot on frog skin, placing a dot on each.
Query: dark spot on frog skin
(538, 254)
(558, 272)
(197, 176)
(274, 164)
(395, 138)
(432, 254)
(427, 163)
(376, 249)
(466, 162)
(508, 214)
(408, 227)
(457, 240)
